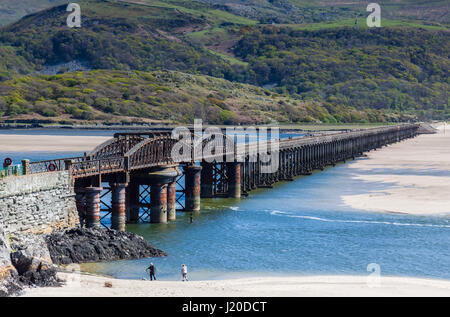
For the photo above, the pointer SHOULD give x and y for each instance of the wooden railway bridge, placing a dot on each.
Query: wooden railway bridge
(143, 172)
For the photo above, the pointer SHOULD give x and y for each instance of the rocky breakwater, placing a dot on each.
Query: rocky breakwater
(81, 245)
(31, 260)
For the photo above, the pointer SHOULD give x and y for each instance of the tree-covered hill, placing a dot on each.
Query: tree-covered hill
(328, 71)
(114, 35)
(396, 69)
(112, 96)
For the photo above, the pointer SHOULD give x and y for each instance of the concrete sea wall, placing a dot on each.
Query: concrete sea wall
(37, 203)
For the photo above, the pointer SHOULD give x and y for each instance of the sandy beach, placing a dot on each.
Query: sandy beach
(300, 286)
(49, 143)
(417, 172)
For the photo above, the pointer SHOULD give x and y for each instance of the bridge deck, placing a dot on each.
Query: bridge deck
(142, 150)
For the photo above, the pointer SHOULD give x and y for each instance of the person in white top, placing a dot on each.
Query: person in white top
(183, 272)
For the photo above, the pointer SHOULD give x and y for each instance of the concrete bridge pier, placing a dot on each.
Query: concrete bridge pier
(206, 181)
(132, 202)
(93, 206)
(297, 162)
(255, 175)
(160, 180)
(118, 205)
(158, 203)
(193, 187)
(234, 179)
(172, 201)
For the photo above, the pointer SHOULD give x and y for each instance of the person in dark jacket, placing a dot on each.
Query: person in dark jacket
(152, 271)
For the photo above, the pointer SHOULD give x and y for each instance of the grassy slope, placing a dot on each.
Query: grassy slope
(431, 10)
(307, 10)
(313, 11)
(107, 95)
(13, 10)
(148, 35)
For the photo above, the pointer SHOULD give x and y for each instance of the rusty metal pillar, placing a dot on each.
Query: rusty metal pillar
(132, 203)
(172, 201)
(119, 207)
(158, 203)
(234, 179)
(159, 180)
(93, 206)
(80, 200)
(254, 175)
(207, 180)
(193, 185)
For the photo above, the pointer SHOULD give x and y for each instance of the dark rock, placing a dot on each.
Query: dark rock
(80, 245)
(9, 283)
(32, 261)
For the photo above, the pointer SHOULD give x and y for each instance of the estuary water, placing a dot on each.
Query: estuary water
(296, 228)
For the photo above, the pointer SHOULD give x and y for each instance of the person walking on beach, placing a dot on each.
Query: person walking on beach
(152, 271)
(183, 272)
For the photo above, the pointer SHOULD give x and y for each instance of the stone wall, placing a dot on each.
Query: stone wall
(38, 203)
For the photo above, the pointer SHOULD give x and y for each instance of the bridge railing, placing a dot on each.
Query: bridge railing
(341, 136)
(100, 166)
(150, 152)
(51, 165)
(115, 147)
(259, 148)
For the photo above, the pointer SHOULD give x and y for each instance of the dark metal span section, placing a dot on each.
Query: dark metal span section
(136, 151)
(142, 169)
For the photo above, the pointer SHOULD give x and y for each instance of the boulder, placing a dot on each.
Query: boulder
(9, 284)
(32, 261)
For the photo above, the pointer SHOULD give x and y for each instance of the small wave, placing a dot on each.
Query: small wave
(277, 212)
(234, 208)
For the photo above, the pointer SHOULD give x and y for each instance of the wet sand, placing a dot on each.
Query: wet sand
(49, 143)
(416, 173)
(93, 286)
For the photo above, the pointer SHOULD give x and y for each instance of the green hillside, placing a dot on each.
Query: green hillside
(113, 96)
(314, 11)
(13, 10)
(115, 35)
(327, 71)
(396, 69)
